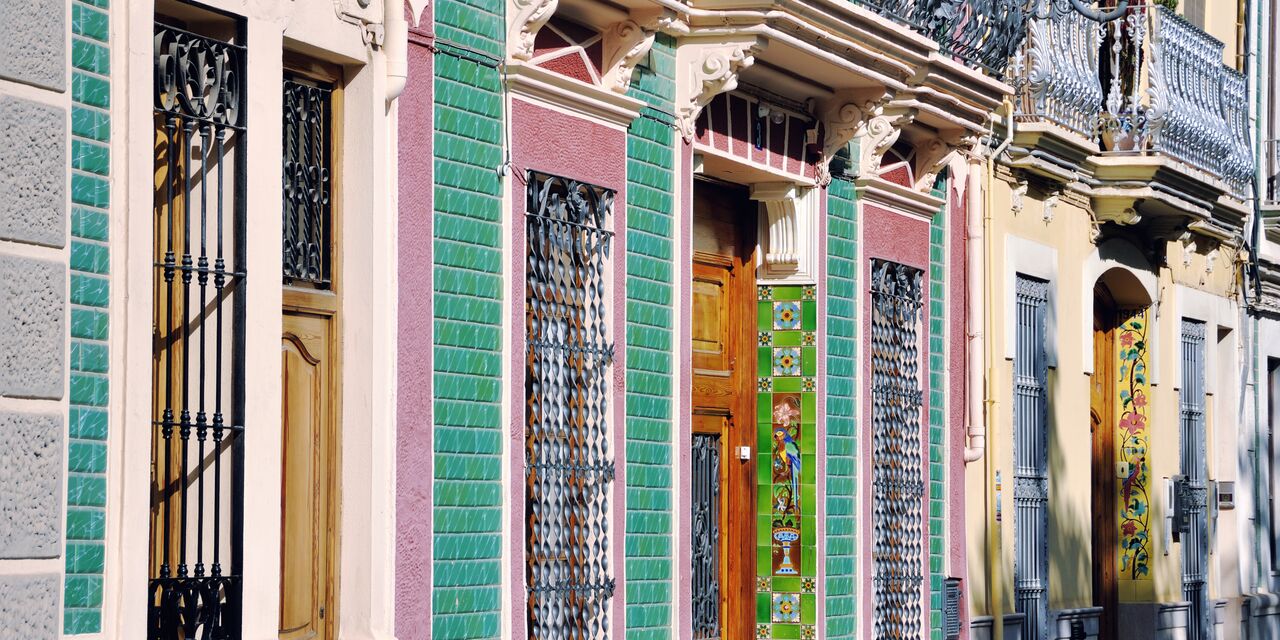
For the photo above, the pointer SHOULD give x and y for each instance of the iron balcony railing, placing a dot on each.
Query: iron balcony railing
(1146, 82)
(983, 34)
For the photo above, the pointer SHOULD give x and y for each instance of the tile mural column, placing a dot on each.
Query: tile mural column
(1133, 390)
(786, 555)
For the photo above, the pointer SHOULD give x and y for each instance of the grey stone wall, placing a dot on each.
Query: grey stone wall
(34, 312)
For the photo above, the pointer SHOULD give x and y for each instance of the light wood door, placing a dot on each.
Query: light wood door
(1102, 426)
(723, 393)
(307, 492)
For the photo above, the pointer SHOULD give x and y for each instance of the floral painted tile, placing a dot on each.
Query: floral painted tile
(764, 583)
(766, 338)
(765, 293)
(808, 585)
(786, 316)
(786, 607)
(762, 631)
(786, 361)
(809, 293)
(809, 384)
(764, 384)
(808, 632)
(809, 339)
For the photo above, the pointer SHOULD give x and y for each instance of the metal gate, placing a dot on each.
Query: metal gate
(198, 312)
(897, 421)
(705, 536)
(1195, 546)
(1030, 448)
(569, 468)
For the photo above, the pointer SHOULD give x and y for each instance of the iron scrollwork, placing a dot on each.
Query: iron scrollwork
(195, 587)
(569, 469)
(897, 421)
(307, 157)
(705, 536)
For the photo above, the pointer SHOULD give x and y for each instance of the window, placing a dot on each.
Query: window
(1030, 448)
(1195, 548)
(568, 465)
(897, 478)
(197, 350)
(306, 150)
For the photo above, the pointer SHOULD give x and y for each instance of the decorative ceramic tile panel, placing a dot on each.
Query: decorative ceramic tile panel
(1133, 390)
(786, 564)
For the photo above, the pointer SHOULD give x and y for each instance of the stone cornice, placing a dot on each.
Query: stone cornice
(880, 192)
(548, 88)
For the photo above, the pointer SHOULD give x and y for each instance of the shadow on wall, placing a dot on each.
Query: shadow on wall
(1070, 526)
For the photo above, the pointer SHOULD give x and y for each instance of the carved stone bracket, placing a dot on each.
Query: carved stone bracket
(625, 44)
(881, 132)
(526, 18)
(708, 69)
(787, 227)
(843, 118)
(947, 150)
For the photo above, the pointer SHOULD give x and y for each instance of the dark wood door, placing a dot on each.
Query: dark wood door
(1102, 425)
(723, 318)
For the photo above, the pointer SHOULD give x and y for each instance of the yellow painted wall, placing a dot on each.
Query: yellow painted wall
(1069, 233)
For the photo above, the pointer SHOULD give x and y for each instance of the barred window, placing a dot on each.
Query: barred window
(1030, 448)
(1195, 545)
(568, 464)
(307, 219)
(898, 500)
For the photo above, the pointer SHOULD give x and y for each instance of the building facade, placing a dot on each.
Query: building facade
(1119, 494)
(638, 318)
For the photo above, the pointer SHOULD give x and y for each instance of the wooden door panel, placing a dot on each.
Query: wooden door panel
(1102, 427)
(305, 579)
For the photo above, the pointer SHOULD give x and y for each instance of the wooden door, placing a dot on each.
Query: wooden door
(306, 551)
(723, 319)
(1105, 531)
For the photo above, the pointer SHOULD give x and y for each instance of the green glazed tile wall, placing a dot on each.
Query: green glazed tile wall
(649, 348)
(937, 414)
(90, 296)
(841, 421)
(786, 531)
(468, 491)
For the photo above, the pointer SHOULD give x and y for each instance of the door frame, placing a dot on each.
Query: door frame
(1105, 535)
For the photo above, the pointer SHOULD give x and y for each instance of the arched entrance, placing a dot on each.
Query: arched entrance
(1118, 427)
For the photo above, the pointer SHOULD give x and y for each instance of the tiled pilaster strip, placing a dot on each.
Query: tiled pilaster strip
(650, 348)
(87, 449)
(841, 385)
(937, 413)
(467, 306)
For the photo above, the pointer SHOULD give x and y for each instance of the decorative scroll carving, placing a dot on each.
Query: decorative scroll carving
(843, 118)
(881, 133)
(786, 228)
(712, 70)
(939, 152)
(625, 44)
(1050, 203)
(527, 18)
(1017, 201)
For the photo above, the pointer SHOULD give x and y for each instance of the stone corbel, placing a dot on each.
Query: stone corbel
(625, 44)
(843, 118)
(786, 230)
(1018, 198)
(941, 151)
(882, 131)
(527, 17)
(706, 69)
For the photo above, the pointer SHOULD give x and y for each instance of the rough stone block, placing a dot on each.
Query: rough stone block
(33, 42)
(29, 606)
(33, 301)
(33, 168)
(30, 485)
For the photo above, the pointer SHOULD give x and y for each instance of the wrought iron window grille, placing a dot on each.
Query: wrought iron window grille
(195, 586)
(308, 221)
(1195, 544)
(897, 455)
(1031, 441)
(705, 536)
(569, 468)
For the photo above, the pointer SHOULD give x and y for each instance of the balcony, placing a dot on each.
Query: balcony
(983, 35)
(1144, 99)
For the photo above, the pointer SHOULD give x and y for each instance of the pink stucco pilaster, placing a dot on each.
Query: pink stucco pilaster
(957, 296)
(413, 400)
(684, 408)
(820, 451)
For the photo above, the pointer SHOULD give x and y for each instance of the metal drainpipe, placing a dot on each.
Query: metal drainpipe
(395, 47)
(994, 591)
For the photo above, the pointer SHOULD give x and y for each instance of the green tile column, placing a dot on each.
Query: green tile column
(467, 306)
(937, 413)
(841, 417)
(650, 348)
(90, 293)
(786, 404)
